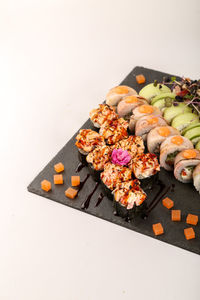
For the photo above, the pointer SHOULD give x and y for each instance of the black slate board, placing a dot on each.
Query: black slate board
(185, 196)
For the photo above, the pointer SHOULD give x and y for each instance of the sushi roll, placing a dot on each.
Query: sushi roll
(147, 123)
(196, 178)
(86, 141)
(141, 111)
(157, 135)
(101, 114)
(117, 93)
(114, 131)
(145, 167)
(185, 163)
(170, 148)
(112, 175)
(127, 104)
(133, 144)
(129, 199)
(97, 159)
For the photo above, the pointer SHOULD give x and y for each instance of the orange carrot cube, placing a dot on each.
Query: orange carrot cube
(46, 185)
(71, 193)
(140, 79)
(192, 219)
(75, 180)
(58, 179)
(176, 215)
(158, 229)
(189, 233)
(59, 167)
(167, 202)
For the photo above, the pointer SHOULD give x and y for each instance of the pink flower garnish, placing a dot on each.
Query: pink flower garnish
(120, 157)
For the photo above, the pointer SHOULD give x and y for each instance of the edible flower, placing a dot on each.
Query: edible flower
(120, 157)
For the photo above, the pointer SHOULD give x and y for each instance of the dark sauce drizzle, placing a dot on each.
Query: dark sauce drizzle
(86, 203)
(79, 167)
(158, 197)
(82, 183)
(99, 199)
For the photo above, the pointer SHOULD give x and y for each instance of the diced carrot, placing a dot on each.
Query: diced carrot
(146, 109)
(71, 193)
(120, 89)
(59, 167)
(140, 78)
(167, 202)
(192, 219)
(177, 140)
(152, 120)
(75, 180)
(175, 215)
(189, 153)
(58, 179)
(164, 131)
(158, 229)
(189, 233)
(46, 185)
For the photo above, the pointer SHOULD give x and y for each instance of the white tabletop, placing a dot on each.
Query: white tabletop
(58, 59)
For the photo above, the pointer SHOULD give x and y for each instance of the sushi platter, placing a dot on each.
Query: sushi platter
(136, 161)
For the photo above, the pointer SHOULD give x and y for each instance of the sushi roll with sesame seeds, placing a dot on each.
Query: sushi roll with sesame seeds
(129, 199)
(97, 159)
(112, 175)
(101, 114)
(114, 130)
(86, 141)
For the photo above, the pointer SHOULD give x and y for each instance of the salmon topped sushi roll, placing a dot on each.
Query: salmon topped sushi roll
(157, 135)
(185, 163)
(170, 148)
(196, 178)
(87, 140)
(99, 115)
(145, 124)
(114, 131)
(117, 93)
(127, 104)
(141, 111)
(133, 144)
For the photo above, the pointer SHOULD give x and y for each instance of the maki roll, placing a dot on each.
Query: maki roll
(99, 115)
(133, 144)
(112, 175)
(87, 140)
(114, 131)
(157, 135)
(141, 111)
(170, 148)
(117, 93)
(185, 163)
(97, 159)
(147, 123)
(129, 199)
(145, 167)
(127, 104)
(196, 177)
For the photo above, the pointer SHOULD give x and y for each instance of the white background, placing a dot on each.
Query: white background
(57, 61)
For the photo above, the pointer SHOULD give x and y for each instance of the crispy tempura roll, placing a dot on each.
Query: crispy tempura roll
(101, 114)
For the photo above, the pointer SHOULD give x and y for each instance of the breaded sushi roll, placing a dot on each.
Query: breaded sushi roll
(129, 199)
(114, 131)
(101, 114)
(170, 148)
(112, 175)
(127, 104)
(87, 140)
(145, 124)
(133, 144)
(117, 93)
(97, 159)
(196, 178)
(141, 111)
(157, 135)
(184, 164)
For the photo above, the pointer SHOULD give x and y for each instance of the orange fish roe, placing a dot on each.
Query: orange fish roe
(167, 202)
(46, 185)
(192, 219)
(75, 180)
(158, 229)
(71, 193)
(131, 99)
(175, 215)
(140, 78)
(164, 131)
(59, 167)
(177, 140)
(58, 179)
(152, 120)
(120, 89)
(189, 233)
(189, 153)
(146, 109)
